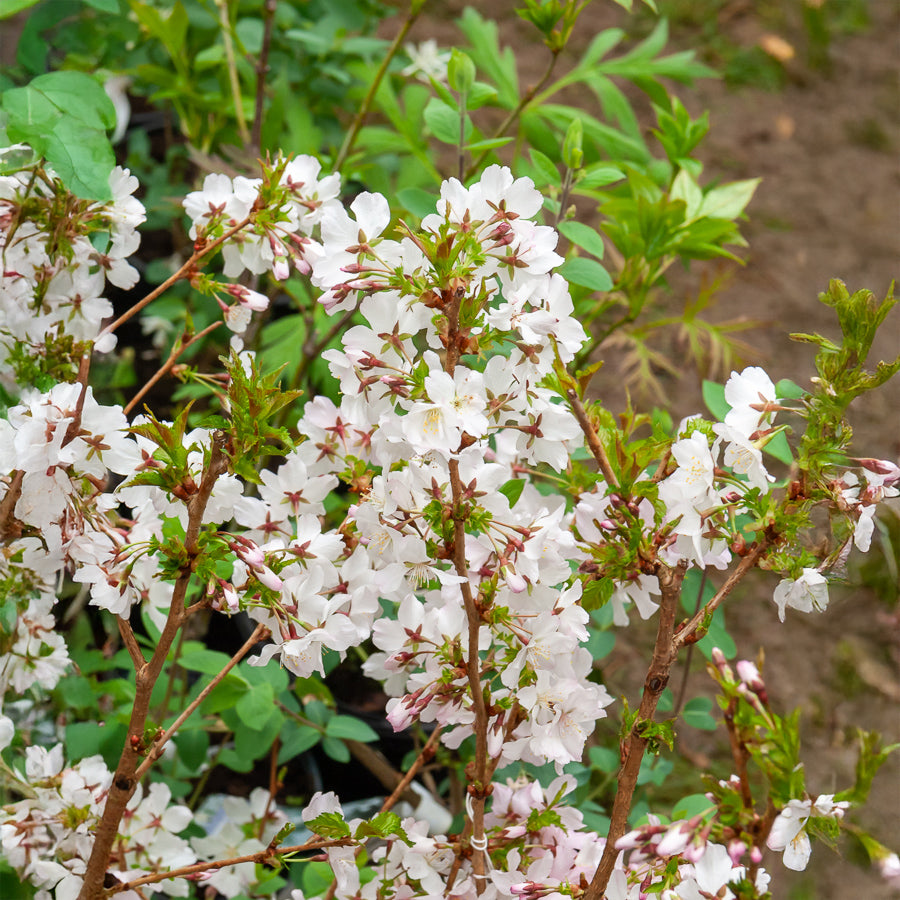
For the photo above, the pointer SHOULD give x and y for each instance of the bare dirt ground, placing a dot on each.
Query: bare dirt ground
(826, 147)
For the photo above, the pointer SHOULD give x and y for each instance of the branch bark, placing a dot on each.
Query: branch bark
(260, 856)
(664, 654)
(125, 778)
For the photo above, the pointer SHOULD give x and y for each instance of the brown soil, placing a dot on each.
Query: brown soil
(826, 147)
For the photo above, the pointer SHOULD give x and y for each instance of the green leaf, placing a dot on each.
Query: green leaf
(105, 6)
(192, 745)
(329, 825)
(198, 659)
(545, 166)
(600, 644)
(350, 728)
(336, 749)
(77, 693)
(780, 449)
(697, 713)
(224, 695)
(489, 144)
(255, 707)
(604, 758)
(587, 273)
(599, 175)
(250, 33)
(692, 805)
(714, 398)
(443, 122)
(788, 390)
(64, 116)
(512, 490)
(418, 201)
(297, 739)
(583, 236)
(718, 636)
(728, 201)
(10, 7)
(252, 743)
(383, 825)
(82, 739)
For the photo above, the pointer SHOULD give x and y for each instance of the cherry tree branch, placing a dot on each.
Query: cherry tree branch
(634, 745)
(124, 781)
(593, 441)
(177, 350)
(744, 566)
(155, 751)
(128, 639)
(270, 853)
(182, 272)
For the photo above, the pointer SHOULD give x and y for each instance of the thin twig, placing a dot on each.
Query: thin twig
(526, 98)
(682, 688)
(128, 639)
(745, 565)
(194, 258)
(379, 766)
(156, 750)
(260, 856)
(236, 96)
(177, 350)
(424, 755)
(262, 69)
(670, 581)
(590, 433)
(363, 110)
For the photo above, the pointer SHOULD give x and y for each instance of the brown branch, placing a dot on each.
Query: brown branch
(10, 526)
(526, 98)
(739, 754)
(682, 688)
(194, 258)
(128, 639)
(479, 781)
(379, 766)
(124, 781)
(363, 110)
(261, 856)
(262, 69)
(155, 751)
(424, 755)
(745, 565)
(635, 744)
(593, 441)
(177, 350)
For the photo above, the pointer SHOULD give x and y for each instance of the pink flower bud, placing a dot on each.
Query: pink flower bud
(736, 849)
(268, 578)
(881, 467)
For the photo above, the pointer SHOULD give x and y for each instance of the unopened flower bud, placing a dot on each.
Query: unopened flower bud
(719, 661)
(736, 849)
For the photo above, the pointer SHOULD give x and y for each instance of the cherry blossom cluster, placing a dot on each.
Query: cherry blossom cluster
(281, 211)
(48, 836)
(468, 579)
(54, 277)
